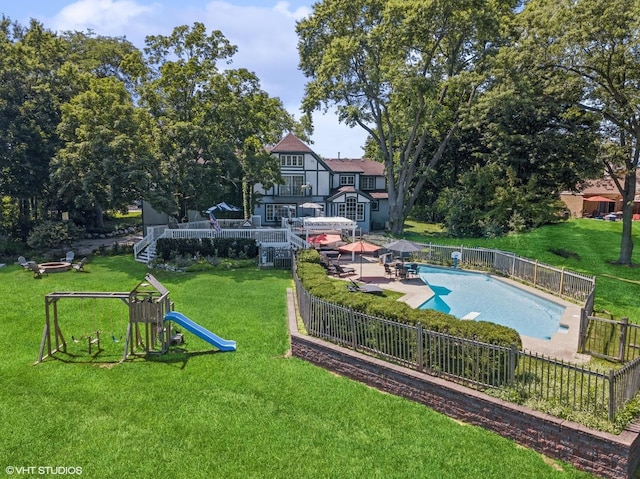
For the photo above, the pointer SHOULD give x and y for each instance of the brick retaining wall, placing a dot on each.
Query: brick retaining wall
(602, 454)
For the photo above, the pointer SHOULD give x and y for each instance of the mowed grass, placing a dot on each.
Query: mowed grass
(253, 413)
(582, 245)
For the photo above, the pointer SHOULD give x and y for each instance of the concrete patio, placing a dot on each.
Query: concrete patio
(563, 344)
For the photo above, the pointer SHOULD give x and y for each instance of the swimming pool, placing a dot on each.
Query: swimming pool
(478, 296)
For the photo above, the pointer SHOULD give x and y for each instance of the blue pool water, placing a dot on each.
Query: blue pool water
(480, 297)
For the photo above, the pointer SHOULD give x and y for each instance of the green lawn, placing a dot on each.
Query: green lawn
(590, 247)
(251, 413)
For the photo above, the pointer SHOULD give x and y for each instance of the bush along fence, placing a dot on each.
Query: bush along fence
(522, 376)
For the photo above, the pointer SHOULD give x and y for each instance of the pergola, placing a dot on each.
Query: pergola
(333, 223)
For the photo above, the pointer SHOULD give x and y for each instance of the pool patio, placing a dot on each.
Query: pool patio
(563, 345)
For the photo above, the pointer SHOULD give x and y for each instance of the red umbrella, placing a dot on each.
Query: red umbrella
(323, 239)
(360, 246)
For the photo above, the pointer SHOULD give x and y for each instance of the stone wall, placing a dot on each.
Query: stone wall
(599, 453)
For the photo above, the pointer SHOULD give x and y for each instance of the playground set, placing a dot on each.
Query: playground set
(149, 329)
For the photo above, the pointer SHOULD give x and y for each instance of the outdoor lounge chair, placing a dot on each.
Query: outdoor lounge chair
(37, 270)
(22, 261)
(344, 270)
(69, 257)
(364, 288)
(80, 265)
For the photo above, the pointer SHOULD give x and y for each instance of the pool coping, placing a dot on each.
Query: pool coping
(563, 345)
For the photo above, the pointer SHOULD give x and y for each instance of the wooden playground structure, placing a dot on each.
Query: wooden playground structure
(148, 303)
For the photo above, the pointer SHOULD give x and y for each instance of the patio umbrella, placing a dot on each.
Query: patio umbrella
(313, 206)
(222, 207)
(600, 199)
(324, 239)
(360, 246)
(403, 246)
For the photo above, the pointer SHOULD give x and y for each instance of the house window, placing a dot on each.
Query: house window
(368, 183)
(292, 160)
(351, 209)
(274, 212)
(347, 180)
(375, 206)
(292, 185)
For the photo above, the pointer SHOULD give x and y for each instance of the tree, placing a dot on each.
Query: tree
(593, 47)
(31, 92)
(178, 96)
(246, 119)
(403, 70)
(106, 152)
(529, 146)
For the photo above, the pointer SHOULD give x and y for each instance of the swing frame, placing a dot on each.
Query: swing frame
(148, 303)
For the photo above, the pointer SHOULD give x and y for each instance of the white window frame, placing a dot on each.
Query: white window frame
(351, 209)
(292, 186)
(274, 212)
(347, 180)
(292, 161)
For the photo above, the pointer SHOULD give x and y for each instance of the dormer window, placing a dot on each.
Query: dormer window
(367, 182)
(296, 161)
(347, 180)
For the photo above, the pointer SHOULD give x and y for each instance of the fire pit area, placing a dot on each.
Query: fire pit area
(55, 266)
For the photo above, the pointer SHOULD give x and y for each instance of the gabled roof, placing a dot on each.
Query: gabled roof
(291, 144)
(363, 166)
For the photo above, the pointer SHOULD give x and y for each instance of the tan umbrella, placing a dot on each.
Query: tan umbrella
(359, 246)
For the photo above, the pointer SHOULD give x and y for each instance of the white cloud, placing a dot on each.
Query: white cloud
(105, 17)
(263, 32)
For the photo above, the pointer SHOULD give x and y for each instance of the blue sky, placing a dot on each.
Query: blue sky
(263, 31)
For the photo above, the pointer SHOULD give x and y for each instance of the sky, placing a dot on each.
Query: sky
(263, 31)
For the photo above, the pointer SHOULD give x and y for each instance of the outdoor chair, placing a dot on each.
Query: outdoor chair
(80, 265)
(402, 273)
(22, 261)
(69, 257)
(37, 270)
(344, 270)
(413, 269)
(364, 288)
(387, 271)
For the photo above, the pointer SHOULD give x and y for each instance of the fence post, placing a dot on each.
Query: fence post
(352, 320)
(513, 265)
(582, 332)
(561, 281)
(535, 273)
(512, 364)
(419, 359)
(611, 396)
(624, 325)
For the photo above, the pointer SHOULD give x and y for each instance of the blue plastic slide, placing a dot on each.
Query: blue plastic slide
(186, 323)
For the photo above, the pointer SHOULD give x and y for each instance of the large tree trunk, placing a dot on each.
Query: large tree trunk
(628, 195)
(99, 217)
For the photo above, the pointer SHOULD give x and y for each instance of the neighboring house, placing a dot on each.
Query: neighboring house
(599, 198)
(350, 188)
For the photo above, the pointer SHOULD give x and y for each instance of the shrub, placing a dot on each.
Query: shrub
(53, 234)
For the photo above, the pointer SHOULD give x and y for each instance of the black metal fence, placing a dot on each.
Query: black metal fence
(472, 363)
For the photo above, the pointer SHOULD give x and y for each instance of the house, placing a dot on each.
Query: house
(599, 198)
(351, 188)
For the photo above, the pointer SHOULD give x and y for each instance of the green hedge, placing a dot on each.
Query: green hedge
(241, 248)
(315, 280)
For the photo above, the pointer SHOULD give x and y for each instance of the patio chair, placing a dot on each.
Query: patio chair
(22, 261)
(387, 271)
(37, 270)
(344, 270)
(69, 257)
(413, 269)
(402, 273)
(364, 288)
(80, 265)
